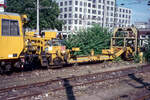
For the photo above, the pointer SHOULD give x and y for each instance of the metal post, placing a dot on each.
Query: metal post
(38, 28)
(115, 12)
(105, 13)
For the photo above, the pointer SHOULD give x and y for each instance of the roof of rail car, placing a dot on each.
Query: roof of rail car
(7, 13)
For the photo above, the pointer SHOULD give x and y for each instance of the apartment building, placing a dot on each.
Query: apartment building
(123, 17)
(79, 14)
(2, 5)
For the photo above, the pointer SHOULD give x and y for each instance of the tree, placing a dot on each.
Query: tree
(49, 12)
(95, 38)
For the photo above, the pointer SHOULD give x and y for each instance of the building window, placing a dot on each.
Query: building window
(89, 17)
(76, 21)
(119, 15)
(70, 2)
(111, 19)
(76, 15)
(65, 15)
(80, 22)
(76, 2)
(129, 11)
(123, 16)
(89, 11)
(65, 21)
(123, 10)
(120, 10)
(108, 2)
(103, 1)
(80, 16)
(107, 8)
(61, 3)
(129, 17)
(70, 15)
(80, 9)
(112, 14)
(99, 1)
(112, 8)
(70, 8)
(112, 3)
(94, 1)
(93, 17)
(93, 11)
(80, 3)
(85, 4)
(70, 22)
(65, 9)
(65, 27)
(69, 27)
(65, 3)
(85, 10)
(10, 27)
(126, 11)
(61, 16)
(76, 8)
(94, 6)
(99, 12)
(99, 6)
(61, 10)
(99, 18)
(89, 4)
(107, 13)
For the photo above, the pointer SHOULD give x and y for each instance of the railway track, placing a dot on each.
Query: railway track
(145, 95)
(27, 91)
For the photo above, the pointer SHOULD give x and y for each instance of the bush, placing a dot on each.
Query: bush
(137, 59)
(95, 38)
(147, 51)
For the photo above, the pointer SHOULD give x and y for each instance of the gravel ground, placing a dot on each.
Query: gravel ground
(118, 89)
(43, 75)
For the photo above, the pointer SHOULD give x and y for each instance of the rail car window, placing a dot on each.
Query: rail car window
(10, 27)
(5, 27)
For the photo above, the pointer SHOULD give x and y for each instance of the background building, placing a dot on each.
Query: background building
(142, 25)
(2, 5)
(78, 14)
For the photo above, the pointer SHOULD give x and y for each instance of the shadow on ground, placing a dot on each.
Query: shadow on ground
(140, 81)
(69, 90)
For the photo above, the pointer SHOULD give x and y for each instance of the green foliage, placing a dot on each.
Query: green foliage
(136, 58)
(147, 51)
(118, 59)
(95, 38)
(49, 12)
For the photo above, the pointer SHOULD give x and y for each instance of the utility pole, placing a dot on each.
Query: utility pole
(38, 23)
(115, 13)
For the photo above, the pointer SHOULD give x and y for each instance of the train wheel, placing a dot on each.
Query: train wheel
(58, 62)
(1, 70)
(8, 68)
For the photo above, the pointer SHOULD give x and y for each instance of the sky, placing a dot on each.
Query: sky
(140, 9)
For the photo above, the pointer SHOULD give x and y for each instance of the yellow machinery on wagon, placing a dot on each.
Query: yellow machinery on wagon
(123, 43)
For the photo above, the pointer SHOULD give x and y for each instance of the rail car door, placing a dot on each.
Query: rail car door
(11, 37)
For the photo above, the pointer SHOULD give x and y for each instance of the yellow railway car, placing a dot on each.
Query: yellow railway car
(11, 39)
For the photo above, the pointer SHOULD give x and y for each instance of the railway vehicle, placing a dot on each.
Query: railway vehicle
(47, 50)
(11, 40)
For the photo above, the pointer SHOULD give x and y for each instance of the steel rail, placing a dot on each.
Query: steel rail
(126, 70)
